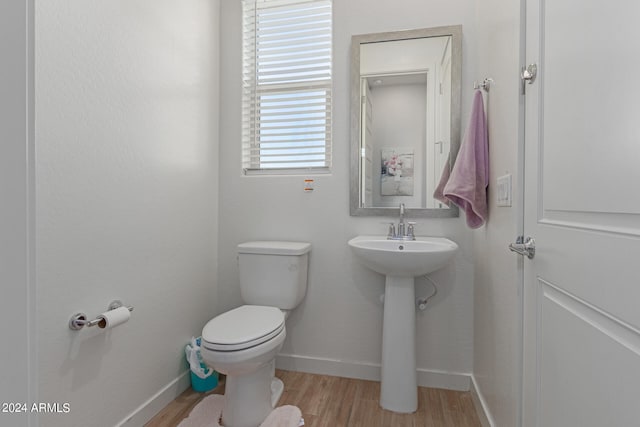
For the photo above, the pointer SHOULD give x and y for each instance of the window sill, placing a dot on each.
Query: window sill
(287, 172)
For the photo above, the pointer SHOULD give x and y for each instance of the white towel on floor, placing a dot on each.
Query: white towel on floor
(208, 412)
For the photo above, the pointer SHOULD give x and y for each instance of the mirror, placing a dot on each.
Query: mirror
(405, 119)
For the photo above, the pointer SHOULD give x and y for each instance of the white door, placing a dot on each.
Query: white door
(443, 126)
(582, 206)
(366, 125)
(17, 306)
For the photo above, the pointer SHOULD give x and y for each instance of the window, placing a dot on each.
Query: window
(286, 86)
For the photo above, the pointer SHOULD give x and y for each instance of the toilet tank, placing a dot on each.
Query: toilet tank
(273, 273)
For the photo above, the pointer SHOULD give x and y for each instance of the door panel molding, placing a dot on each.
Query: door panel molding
(587, 363)
(610, 222)
(617, 329)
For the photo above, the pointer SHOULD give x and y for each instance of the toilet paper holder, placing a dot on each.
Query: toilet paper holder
(79, 320)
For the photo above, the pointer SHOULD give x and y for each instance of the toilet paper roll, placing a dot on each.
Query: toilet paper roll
(114, 317)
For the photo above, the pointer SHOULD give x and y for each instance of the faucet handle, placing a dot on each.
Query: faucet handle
(392, 231)
(411, 230)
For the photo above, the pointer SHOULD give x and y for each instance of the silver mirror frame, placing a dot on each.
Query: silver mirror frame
(455, 31)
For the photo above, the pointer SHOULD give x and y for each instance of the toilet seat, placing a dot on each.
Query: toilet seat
(243, 327)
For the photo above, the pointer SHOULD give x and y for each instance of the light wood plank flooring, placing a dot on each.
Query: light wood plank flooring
(327, 401)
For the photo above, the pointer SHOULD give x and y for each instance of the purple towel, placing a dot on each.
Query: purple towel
(467, 185)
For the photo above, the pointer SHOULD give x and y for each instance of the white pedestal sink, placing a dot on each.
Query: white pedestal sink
(401, 261)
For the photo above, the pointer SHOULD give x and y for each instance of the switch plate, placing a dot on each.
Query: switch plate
(504, 190)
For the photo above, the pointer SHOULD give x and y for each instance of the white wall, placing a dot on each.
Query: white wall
(126, 140)
(17, 352)
(337, 328)
(497, 342)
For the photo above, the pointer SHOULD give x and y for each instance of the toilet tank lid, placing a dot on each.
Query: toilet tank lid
(274, 248)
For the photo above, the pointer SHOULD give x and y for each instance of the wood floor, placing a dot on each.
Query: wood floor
(327, 401)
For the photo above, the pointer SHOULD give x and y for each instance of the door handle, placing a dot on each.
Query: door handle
(524, 246)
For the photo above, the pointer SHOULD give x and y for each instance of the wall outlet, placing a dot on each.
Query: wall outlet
(308, 185)
(504, 190)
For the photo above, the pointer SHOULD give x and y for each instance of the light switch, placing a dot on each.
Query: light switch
(504, 190)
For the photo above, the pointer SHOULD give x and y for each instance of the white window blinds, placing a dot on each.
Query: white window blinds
(286, 85)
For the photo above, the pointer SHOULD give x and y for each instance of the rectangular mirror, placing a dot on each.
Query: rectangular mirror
(405, 119)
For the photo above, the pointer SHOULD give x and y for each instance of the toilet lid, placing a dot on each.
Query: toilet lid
(242, 327)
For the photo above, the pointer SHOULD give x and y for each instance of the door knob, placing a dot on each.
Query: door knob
(524, 246)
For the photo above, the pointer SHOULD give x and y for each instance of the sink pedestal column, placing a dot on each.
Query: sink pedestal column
(399, 389)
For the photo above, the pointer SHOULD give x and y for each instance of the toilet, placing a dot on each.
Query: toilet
(243, 343)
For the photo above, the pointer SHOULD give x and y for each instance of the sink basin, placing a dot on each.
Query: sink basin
(403, 258)
(400, 261)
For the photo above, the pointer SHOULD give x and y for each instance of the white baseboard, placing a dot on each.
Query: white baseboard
(368, 371)
(157, 402)
(481, 405)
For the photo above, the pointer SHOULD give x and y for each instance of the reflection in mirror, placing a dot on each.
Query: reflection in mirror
(405, 119)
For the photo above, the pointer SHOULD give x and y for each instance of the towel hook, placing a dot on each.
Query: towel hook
(485, 85)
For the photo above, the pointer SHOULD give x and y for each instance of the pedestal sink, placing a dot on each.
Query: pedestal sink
(401, 261)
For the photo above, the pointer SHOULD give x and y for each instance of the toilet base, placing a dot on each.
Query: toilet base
(251, 397)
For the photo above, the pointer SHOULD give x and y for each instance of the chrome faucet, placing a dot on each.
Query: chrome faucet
(402, 232)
